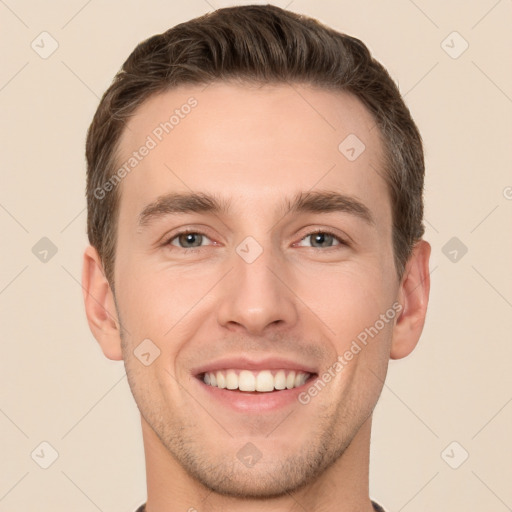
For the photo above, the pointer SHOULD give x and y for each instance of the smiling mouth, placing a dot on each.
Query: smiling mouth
(247, 381)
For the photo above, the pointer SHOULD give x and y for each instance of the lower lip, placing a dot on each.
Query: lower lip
(256, 402)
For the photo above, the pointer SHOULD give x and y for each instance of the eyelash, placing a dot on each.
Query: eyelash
(329, 233)
(341, 241)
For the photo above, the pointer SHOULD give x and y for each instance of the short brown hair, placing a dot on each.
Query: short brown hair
(256, 44)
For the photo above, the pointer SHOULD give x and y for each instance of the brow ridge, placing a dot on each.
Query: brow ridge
(201, 202)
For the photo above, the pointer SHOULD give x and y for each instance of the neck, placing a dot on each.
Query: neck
(343, 487)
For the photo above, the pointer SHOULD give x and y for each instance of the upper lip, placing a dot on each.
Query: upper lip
(245, 363)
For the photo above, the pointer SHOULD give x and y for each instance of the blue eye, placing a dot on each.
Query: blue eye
(188, 239)
(323, 239)
(318, 240)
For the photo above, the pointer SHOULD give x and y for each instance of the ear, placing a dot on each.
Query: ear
(413, 296)
(100, 306)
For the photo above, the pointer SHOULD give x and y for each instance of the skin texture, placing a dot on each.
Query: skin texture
(255, 146)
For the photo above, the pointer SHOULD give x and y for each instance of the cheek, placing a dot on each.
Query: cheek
(162, 305)
(347, 299)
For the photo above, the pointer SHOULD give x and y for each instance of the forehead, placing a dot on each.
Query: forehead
(254, 143)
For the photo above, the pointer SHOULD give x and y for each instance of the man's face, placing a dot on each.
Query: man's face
(252, 287)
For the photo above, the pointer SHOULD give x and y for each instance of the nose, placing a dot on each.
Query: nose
(257, 296)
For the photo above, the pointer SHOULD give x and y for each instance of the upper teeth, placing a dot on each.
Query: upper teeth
(246, 380)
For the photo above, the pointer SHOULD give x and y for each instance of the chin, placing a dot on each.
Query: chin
(254, 483)
(271, 476)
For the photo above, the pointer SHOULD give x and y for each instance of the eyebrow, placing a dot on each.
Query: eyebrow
(199, 202)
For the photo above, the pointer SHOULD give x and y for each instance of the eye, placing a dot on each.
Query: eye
(188, 240)
(322, 239)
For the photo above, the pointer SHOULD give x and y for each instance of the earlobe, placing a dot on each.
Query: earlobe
(413, 296)
(100, 306)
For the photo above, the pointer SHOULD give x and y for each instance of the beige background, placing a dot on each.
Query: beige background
(58, 388)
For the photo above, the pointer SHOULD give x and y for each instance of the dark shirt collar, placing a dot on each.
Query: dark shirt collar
(376, 506)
